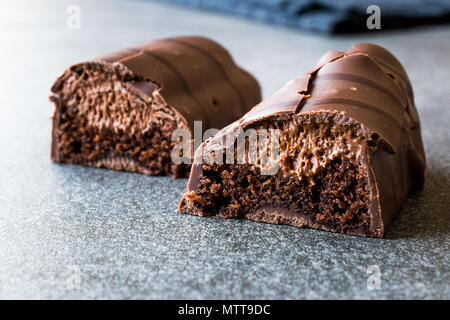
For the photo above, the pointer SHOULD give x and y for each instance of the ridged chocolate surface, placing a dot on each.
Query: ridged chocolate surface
(196, 76)
(365, 85)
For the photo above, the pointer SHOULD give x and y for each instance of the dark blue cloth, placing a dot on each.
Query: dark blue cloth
(331, 16)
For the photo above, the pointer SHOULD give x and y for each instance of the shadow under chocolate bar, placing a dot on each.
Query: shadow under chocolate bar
(350, 150)
(119, 111)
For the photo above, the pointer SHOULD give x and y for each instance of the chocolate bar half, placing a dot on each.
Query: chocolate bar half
(349, 150)
(119, 111)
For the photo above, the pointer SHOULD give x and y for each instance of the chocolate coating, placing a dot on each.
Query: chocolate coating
(196, 76)
(364, 98)
(127, 103)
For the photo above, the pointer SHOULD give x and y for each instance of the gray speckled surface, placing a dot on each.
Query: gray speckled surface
(75, 232)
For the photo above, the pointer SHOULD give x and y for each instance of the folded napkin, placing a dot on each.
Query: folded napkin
(332, 16)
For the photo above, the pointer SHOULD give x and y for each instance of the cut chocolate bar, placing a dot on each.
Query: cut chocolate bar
(119, 111)
(349, 150)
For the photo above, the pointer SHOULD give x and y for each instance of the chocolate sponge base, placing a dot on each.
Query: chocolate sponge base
(337, 201)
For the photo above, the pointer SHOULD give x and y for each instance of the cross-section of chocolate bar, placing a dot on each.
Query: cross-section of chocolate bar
(119, 111)
(349, 150)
